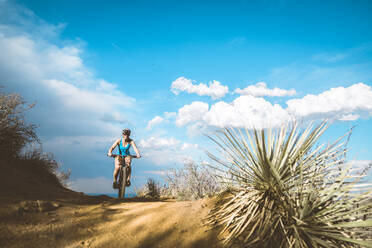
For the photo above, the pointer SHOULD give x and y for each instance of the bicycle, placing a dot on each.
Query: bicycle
(123, 173)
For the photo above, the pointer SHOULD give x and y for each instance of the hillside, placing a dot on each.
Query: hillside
(36, 211)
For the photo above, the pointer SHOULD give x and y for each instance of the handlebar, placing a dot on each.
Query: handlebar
(122, 156)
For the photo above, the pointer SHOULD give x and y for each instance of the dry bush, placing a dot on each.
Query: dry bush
(151, 190)
(16, 134)
(190, 182)
(46, 166)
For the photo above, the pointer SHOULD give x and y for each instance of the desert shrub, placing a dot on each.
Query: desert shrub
(45, 165)
(285, 192)
(153, 188)
(15, 133)
(191, 182)
(150, 190)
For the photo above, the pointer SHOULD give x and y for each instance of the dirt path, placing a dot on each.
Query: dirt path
(107, 223)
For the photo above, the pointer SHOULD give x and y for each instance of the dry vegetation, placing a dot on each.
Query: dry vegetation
(15, 135)
(191, 182)
(283, 192)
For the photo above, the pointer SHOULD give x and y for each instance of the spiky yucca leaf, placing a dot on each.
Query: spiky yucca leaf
(284, 192)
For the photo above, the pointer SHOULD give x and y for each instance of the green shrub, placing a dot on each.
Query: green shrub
(283, 192)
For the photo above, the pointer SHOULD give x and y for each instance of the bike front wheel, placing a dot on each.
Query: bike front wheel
(122, 182)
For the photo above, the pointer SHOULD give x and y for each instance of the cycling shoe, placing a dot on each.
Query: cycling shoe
(115, 185)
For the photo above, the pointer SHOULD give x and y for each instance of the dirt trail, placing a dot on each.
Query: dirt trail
(105, 222)
(38, 212)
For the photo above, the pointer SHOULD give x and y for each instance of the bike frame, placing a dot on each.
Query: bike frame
(123, 173)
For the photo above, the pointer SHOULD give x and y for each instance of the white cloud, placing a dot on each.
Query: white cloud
(344, 103)
(214, 89)
(186, 146)
(192, 112)
(156, 120)
(77, 112)
(169, 115)
(162, 151)
(94, 101)
(260, 89)
(360, 165)
(244, 111)
(158, 143)
(70, 98)
(83, 143)
(156, 172)
(349, 117)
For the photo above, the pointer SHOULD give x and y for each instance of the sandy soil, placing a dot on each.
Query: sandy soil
(84, 221)
(36, 211)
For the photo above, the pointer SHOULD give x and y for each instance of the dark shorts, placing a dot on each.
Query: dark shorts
(121, 161)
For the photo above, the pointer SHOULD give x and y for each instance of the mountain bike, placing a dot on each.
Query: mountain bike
(123, 173)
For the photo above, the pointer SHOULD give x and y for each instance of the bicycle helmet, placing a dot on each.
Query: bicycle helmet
(126, 132)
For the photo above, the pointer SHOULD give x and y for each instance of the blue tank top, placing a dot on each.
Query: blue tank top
(124, 150)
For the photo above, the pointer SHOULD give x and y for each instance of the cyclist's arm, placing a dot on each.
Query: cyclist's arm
(113, 147)
(135, 149)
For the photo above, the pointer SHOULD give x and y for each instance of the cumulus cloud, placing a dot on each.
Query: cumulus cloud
(156, 172)
(94, 101)
(260, 89)
(186, 146)
(169, 115)
(76, 142)
(76, 111)
(70, 98)
(156, 120)
(343, 103)
(214, 89)
(191, 112)
(163, 151)
(360, 165)
(159, 143)
(244, 111)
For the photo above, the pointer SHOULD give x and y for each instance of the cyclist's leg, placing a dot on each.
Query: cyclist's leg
(128, 162)
(116, 170)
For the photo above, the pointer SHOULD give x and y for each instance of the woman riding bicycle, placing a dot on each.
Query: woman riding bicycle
(123, 143)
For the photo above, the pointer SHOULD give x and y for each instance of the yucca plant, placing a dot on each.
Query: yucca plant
(284, 191)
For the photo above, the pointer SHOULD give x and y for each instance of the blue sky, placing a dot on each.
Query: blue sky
(173, 70)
